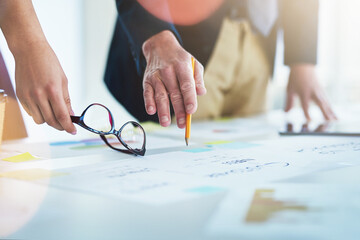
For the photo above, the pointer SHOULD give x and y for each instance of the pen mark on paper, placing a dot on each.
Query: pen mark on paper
(248, 169)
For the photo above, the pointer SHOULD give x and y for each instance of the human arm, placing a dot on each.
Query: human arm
(303, 83)
(169, 74)
(300, 24)
(160, 58)
(41, 84)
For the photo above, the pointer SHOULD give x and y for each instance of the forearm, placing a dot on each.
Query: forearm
(300, 24)
(140, 25)
(19, 23)
(302, 66)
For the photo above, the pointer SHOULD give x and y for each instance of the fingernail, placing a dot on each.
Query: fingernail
(150, 109)
(164, 119)
(189, 107)
(182, 121)
(72, 112)
(73, 133)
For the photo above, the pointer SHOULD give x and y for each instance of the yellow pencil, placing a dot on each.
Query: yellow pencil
(188, 116)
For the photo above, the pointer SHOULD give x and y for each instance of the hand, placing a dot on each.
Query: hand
(303, 83)
(169, 74)
(41, 84)
(42, 87)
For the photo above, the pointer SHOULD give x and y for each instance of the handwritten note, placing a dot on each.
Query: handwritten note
(167, 177)
(129, 180)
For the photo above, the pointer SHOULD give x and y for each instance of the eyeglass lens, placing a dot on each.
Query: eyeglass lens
(98, 118)
(131, 134)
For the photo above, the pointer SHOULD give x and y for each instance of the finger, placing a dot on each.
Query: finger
(187, 87)
(199, 78)
(289, 101)
(61, 112)
(48, 115)
(172, 87)
(35, 113)
(162, 101)
(23, 101)
(305, 127)
(67, 97)
(324, 107)
(330, 110)
(149, 100)
(321, 127)
(305, 106)
(26, 107)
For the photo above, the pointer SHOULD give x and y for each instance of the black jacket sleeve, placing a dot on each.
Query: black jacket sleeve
(299, 20)
(139, 25)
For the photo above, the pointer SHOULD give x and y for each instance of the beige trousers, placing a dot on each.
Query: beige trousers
(236, 76)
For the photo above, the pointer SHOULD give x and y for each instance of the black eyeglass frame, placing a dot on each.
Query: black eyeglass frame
(79, 120)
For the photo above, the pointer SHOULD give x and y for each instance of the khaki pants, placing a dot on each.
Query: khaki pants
(236, 76)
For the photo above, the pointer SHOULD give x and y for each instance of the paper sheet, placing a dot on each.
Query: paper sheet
(31, 174)
(227, 130)
(167, 177)
(289, 211)
(126, 180)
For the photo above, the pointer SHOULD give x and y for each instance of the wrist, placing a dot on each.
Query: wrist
(163, 39)
(302, 66)
(21, 46)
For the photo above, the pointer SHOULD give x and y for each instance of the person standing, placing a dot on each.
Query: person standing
(149, 69)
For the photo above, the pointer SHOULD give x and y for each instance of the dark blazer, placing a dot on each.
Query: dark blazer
(126, 64)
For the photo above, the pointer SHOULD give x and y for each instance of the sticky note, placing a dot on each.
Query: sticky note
(151, 126)
(24, 157)
(224, 119)
(218, 142)
(64, 143)
(198, 150)
(31, 174)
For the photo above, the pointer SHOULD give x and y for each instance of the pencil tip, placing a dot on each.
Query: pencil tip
(187, 142)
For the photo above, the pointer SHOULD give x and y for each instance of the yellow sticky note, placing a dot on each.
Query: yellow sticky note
(31, 174)
(218, 142)
(224, 119)
(151, 126)
(20, 158)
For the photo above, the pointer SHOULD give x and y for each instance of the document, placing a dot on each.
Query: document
(289, 211)
(226, 129)
(220, 166)
(128, 180)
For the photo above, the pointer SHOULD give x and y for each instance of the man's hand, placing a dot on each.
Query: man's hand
(41, 84)
(303, 83)
(169, 74)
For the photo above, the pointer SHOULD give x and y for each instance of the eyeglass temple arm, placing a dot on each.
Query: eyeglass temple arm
(75, 119)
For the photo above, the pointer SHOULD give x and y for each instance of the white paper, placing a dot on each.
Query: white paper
(289, 211)
(168, 177)
(127, 180)
(229, 130)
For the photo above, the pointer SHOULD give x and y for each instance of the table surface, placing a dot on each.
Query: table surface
(29, 210)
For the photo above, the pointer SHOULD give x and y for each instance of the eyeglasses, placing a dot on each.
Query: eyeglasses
(97, 118)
